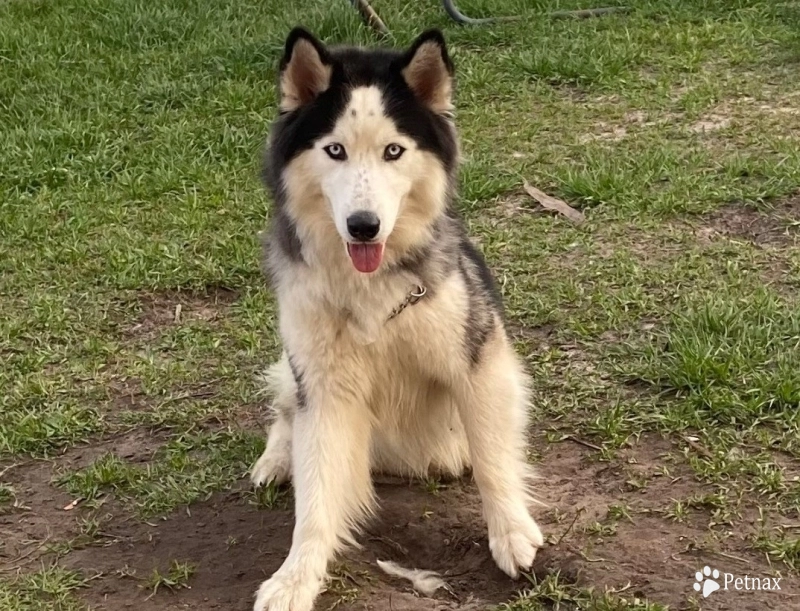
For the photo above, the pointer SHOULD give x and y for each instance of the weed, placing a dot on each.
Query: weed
(176, 578)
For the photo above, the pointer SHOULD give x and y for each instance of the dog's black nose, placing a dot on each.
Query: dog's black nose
(363, 225)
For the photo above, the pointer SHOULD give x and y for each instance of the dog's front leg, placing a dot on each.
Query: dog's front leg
(332, 486)
(493, 403)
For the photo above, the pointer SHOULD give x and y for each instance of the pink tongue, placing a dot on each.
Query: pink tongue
(366, 257)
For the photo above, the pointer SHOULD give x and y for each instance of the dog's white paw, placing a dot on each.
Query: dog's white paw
(287, 591)
(274, 466)
(514, 545)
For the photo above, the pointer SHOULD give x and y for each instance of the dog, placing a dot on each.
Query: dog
(395, 355)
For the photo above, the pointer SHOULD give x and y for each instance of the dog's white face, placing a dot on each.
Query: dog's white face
(366, 168)
(372, 168)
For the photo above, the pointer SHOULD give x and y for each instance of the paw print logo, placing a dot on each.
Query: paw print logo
(706, 581)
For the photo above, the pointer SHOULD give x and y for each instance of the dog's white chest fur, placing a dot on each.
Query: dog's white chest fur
(361, 305)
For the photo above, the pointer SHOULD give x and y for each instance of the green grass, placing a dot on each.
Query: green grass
(725, 366)
(130, 138)
(555, 592)
(188, 468)
(6, 493)
(729, 360)
(176, 577)
(271, 496)
(781, 546)
(51, 589)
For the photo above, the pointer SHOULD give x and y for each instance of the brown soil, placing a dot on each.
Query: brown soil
(234, 545)
(777, 227)
(159, 311)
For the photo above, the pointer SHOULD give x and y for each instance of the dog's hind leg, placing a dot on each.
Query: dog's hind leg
(275, 463)
(493, 398)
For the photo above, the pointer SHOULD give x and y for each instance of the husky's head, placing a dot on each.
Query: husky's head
(363, 155)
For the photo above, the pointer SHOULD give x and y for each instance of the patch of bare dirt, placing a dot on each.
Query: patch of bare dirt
(772, 109)
(710, 123)
(173, 308)
(533, 336)
(235, 545)
(649, 554)
(135, 446)
(38, 517)
(605, 131)
(631, 122)
(775, 227)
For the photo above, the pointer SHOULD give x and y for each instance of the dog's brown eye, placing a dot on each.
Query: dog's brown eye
(335, 151)
(393, 152)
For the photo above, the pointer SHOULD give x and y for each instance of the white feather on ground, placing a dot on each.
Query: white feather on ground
(424, 582)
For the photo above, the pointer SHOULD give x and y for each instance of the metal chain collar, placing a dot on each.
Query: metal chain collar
(412, 298)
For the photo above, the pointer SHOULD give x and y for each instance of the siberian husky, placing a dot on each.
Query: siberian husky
(395, 354)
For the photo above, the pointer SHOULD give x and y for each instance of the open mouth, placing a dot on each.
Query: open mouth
(366, 257)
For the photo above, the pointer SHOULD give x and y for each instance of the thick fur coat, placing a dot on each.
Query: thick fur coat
(396, 358)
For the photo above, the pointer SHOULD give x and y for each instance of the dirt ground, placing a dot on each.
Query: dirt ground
(778, 228)
(234, 545)
(639, 551)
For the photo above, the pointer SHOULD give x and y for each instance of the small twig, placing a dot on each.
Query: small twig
(452, 593)
(18, 564)
(461, 574)
(8, 468)
(698, 448)
(585, 557)
(394, 544)
(583, 443)
(370, 16)
(569, 528)
(353, 579)
(110, 536)
(95, 576)
(732, 557)
(553, 204)
(459, 17)
(200, 394)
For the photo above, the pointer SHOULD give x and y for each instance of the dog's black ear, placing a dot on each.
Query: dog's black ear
(305, 69)
(427, 69)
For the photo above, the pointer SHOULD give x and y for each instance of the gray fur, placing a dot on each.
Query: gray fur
(451, 252)
(480, 317)
(285, 233)
(302, 401)
(281, 246)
